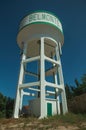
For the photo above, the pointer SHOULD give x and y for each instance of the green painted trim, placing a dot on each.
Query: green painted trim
(49, 109)
(43, 11)
(41, 23)
(40, 11)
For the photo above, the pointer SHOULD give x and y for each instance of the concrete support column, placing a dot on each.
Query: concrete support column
(18, 100)
(61, 82)
(42, 80)
(63, 94)
(57, 97)
(56, 90)
(21, 99)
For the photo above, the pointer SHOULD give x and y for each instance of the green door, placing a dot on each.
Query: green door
(49, 109)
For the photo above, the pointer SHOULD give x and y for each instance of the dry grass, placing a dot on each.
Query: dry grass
(67, 122)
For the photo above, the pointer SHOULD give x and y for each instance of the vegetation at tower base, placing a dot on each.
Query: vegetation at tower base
(2, 105)
(76, 96)
(6, 106)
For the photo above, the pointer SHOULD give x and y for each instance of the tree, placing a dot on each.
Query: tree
(77, 83)
(9, 107)
(83, 79)
(76, 96)
(3, 100)
(80, 87)
(69, 93)
(6, 106)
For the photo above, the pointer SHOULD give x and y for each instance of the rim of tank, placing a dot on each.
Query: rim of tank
(45, 11)
(39, 11)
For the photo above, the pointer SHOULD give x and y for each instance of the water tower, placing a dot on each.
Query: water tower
(40, 38)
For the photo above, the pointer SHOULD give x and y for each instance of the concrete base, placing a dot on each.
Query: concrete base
(50, 107)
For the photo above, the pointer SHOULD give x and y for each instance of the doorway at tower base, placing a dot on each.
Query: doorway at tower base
(50, 107)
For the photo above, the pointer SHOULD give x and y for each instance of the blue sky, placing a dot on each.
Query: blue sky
(72, 14)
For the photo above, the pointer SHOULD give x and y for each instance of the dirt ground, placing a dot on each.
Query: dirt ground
(35, 124)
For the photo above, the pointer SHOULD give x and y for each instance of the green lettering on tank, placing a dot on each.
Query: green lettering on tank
(33, 17)
(52, 19)
(30, 18)
(43, 16)
(38, 17)
(47, 17)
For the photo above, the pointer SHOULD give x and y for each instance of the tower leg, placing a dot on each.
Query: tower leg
(16, 107)
(42, 80)
(57, 97)
(18, 93)
(61, 81)
(63, 94)
(56, 91)
(21, 100)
